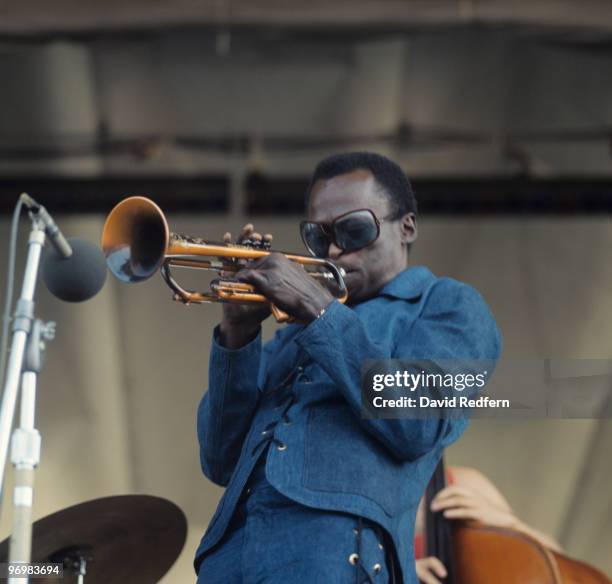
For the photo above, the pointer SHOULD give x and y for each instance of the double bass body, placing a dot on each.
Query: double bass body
(480, 554)
(492, 555)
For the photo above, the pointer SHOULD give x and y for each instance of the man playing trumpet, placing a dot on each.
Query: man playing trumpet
(316, 493)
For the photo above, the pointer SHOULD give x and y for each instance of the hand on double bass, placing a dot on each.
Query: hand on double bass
(473, 497)
(430, 570)
(487, 506)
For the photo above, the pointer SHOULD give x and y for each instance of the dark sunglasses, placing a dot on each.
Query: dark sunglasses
(349, 232)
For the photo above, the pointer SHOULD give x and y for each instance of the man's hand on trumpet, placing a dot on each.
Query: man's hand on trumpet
(287, 285)
(240, 323)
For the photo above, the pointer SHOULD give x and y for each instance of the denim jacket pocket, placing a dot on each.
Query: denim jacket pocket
(342, 457)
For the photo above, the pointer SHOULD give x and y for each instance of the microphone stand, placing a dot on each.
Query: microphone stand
(24, 364)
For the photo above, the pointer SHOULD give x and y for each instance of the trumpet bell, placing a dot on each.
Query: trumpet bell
(134, 239)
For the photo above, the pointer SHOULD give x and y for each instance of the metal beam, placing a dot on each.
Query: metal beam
(31, 17)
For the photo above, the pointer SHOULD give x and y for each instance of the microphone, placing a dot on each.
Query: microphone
(78, 277)
(51, 229)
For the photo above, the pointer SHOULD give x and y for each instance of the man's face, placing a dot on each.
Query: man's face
(370, 268)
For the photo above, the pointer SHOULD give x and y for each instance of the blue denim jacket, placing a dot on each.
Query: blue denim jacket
(324, 454)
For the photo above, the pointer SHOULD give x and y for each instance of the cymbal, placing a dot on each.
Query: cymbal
(125, 539)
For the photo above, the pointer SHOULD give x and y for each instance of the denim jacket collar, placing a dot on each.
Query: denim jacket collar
(408, 284)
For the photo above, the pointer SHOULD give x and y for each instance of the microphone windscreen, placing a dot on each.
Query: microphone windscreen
(77, 278)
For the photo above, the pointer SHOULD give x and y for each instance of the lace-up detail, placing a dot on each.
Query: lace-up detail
(280, 445)
(267, 434)
(355, 558)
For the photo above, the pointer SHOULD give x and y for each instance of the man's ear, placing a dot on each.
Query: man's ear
(409, 228)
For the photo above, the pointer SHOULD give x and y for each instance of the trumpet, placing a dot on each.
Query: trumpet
(137, 243)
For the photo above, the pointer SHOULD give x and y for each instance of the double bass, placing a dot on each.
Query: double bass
(478, 554)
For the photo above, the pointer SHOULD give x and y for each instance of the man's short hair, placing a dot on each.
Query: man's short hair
(391, 179)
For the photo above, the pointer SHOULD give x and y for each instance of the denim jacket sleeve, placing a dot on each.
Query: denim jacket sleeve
(227, 408)
(454, 323)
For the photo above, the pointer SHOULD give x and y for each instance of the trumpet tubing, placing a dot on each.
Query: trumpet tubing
(137, 243)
